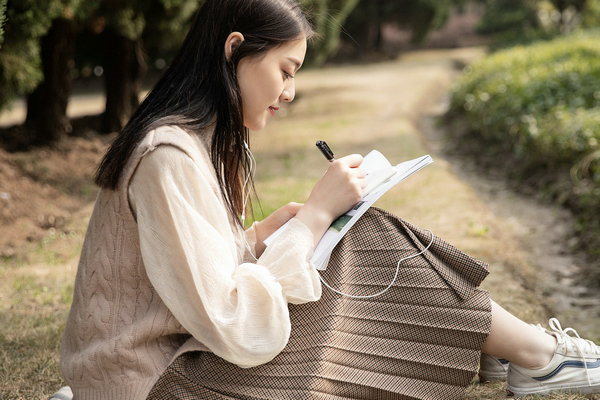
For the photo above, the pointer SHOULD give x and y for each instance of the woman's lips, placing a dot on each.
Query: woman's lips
(273, 109)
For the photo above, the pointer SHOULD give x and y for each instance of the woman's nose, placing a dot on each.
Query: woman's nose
(289, 91)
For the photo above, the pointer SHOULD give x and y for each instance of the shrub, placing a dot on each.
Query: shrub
(539, 106)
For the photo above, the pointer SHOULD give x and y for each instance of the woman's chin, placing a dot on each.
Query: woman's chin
(256, 125)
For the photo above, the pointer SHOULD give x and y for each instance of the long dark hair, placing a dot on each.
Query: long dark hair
(200, 88)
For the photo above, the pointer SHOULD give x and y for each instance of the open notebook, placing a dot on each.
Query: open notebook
(381, 177)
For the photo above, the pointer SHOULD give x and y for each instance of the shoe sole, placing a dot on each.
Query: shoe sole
(491, 377)
(579, 389)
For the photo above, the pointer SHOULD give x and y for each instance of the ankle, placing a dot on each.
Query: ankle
(541, 356)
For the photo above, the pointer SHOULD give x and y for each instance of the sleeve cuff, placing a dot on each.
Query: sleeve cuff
(287, 258)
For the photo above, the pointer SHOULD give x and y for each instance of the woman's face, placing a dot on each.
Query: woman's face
(268, 80)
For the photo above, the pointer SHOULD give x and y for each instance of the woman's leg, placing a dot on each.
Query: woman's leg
(518, 342)
(542, 361)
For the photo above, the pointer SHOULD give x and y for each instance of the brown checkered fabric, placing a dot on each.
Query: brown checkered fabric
(421, 339)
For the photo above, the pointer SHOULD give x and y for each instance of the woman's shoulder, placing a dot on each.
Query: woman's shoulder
(195, 145)
(174, 143)
(171, 151)
(167, 134)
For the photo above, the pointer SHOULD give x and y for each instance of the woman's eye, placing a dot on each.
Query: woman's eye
(287, 75)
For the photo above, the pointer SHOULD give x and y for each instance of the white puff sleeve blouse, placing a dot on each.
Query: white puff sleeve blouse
(192, 256)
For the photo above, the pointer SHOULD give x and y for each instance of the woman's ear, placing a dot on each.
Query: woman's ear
(233, 41)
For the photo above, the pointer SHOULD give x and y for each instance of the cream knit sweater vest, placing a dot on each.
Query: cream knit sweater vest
(119, 336)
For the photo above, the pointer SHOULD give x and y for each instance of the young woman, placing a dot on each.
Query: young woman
(173, 299)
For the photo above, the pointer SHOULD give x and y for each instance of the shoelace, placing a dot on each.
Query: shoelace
(581, 345)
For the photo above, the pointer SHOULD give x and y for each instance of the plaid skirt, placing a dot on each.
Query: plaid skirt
(421, 339)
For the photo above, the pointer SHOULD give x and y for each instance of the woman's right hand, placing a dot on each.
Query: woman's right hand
(334, 194)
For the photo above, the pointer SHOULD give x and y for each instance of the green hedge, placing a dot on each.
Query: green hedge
(538, 107)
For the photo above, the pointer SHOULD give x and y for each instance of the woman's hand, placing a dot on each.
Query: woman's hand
(335, 193)
(267, 226)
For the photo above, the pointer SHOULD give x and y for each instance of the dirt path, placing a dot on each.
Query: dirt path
(543, 233)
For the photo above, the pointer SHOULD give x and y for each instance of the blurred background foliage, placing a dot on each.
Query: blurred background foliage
(535, 99)
(534, 110)
(50, 43)
(2, 18)
(513, 22)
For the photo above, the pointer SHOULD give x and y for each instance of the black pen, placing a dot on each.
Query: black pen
(325, 150)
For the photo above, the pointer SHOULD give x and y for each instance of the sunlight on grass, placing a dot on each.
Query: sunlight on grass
(477, 230)
(29, 352)
(33, 310)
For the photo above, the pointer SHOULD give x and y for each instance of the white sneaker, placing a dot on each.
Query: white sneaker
(575, 367)
(492, 369)
(64, 393)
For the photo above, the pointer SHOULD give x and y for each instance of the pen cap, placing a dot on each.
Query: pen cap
(325, 149)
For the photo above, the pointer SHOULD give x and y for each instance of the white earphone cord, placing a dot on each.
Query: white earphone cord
(245, 195)
(391, 283)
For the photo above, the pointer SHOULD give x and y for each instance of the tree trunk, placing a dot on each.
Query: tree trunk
(47, 119)
(368, 36)
(124, 70)
(377, 29)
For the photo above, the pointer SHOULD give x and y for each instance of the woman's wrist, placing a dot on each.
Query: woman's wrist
(317, 220)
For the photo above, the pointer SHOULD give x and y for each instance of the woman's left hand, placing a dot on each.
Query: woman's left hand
(267, 226)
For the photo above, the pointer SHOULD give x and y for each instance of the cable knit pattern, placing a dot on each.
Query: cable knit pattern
(120, 336)
(119, 332)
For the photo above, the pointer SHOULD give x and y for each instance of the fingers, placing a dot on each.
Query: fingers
(360, 173)
(340, 188)
(349, 169)
(351, 160)
(288, 211)
(349, 166)
(292, 208)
